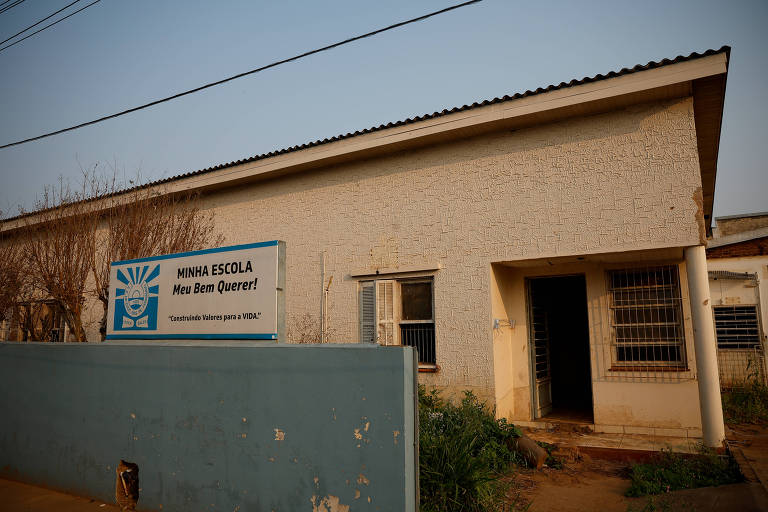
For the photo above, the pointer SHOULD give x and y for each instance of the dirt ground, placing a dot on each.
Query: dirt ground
(587, 484)
(18, 497)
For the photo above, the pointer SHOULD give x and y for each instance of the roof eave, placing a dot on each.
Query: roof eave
(641, 84)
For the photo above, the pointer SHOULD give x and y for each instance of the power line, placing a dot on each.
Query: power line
(48, 26)
(39, 22)
(5, 2)
(240, 75)
(9, 7)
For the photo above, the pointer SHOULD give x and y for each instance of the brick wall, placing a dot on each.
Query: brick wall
(757, 247)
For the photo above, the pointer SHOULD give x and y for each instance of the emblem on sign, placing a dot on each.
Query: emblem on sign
(136, 298)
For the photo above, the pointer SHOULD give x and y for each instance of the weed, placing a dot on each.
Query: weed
(672, 472)
(552, 461)
(654, 504)
(746, 405)
(463, 451)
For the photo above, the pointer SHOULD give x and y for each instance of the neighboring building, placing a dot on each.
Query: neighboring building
(544, 250)
(738, 279)
(735, 224)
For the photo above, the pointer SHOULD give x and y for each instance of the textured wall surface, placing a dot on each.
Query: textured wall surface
(225, 427)
(619, 181)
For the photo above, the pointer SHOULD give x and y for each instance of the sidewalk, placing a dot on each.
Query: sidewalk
(18, 497)
(749, 444)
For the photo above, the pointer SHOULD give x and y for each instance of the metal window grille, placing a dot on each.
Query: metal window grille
(417, 324)
(421, 336)
(740, 367)
(541, 342)
(646, 318)
(737, 326)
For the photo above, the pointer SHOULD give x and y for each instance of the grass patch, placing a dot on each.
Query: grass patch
(673, 472)
(463, 453)
(746, 405)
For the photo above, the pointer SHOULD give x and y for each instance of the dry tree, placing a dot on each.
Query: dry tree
(58, 246)
(141, 222)
(11, 276)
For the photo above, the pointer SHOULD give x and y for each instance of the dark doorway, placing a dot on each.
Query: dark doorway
(560, 346)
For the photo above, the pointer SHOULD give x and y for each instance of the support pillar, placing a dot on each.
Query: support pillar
(705, 345)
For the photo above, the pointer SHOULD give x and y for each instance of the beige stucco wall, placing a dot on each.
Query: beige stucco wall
(619, 181)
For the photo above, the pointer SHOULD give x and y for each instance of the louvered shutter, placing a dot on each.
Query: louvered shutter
(367, 312)
(385, 314)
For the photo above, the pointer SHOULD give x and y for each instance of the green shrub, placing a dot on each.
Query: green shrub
(746, 405)
(462, 453)
(672, 472)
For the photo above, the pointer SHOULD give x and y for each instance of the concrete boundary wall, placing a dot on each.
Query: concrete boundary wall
(215, 426)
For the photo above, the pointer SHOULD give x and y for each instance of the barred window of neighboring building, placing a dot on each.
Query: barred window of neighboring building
(737, 326)
(647, 317)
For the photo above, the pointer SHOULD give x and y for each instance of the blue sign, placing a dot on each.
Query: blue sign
(234, 292)
(136, 298)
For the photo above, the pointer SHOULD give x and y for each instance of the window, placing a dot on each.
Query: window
(737, 326)
(399, 312)
(646, 318)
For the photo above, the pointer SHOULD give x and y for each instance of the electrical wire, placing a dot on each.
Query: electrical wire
(39, 22)
(239, 75)
(9, 7)
(48, 26)
(3, 3)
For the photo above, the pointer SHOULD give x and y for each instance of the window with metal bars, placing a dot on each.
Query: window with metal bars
(737, 326)
(399, 312)
(647, 318)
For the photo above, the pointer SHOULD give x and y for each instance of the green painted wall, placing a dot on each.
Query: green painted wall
(214, 426)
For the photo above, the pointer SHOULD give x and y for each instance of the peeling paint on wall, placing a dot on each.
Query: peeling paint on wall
(698, 199)
(328, 504)
(279, 435)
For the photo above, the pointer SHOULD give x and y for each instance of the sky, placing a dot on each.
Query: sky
(119, 54)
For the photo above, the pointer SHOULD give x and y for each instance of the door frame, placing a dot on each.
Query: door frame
(531, 343)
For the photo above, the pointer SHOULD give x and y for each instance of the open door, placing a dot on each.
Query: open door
(561, 379)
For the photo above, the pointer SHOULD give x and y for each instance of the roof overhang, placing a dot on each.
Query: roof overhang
(702, 77)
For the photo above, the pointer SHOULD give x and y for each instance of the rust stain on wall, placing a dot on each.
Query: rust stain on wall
(698, 198)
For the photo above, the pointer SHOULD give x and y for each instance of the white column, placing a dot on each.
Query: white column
(705, 346)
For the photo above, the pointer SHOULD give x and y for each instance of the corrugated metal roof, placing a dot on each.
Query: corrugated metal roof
(416, 119)
(727, 274)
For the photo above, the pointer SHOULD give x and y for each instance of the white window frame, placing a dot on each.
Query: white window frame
(388, 320)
